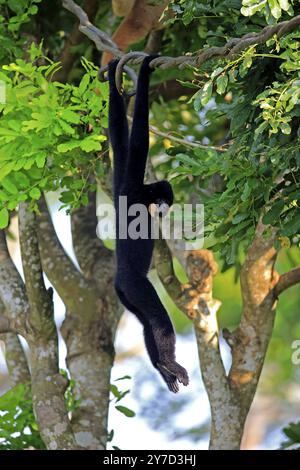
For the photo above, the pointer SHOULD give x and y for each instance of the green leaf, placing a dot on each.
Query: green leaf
(272, 215)
(9, 186)
(285, 128)
(275, 8)
(89, 144)
(67, 146)
(292, 227)
(239, 218)
(40, 160)
(70, 116)
(84, 83)
(21, 179)
(203, 96)
(4, 218)
(115, 391)
(222, 83)
(35, 193)
(126, 411)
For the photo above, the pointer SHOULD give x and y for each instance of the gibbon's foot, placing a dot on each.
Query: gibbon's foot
(171, 372)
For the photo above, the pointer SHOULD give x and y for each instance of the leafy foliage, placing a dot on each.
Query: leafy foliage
(260, 167)
(272, 10)
(18, 428)
(119, 395)
(292, 432)
(50, 133)
(14, 14)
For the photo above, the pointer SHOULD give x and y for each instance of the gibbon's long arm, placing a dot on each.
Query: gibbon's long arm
(118, 129)
(139, 138)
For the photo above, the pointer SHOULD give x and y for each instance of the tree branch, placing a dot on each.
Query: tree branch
(233, 46)
(63, 275)
(94, 258)
(102, 41)
(196, 301)
(287, 280)
(48, 386)
(41, 308)
(15, 360)
(12, 289)
(250, 341)
(67, 56)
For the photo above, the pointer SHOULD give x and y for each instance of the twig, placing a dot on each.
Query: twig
(178, 140)
(194, 144)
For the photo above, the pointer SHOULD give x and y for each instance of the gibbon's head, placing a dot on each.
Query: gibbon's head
(159, 198)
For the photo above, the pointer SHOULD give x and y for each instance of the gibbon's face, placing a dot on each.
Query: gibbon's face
(160, 198)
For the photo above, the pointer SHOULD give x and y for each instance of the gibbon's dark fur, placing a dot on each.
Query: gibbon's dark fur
(134, 256)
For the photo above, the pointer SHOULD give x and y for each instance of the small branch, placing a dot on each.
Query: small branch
(178, 140)
(186, 143)
(287, 280)
(102, 41)
(67, 56)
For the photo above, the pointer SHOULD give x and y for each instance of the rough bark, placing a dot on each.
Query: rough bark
(15, 360)
(91, 318)
(48, 386)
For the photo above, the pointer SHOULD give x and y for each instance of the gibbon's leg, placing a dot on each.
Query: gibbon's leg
(139, 137)
(144, 298)
(150, 343)
(118, 128)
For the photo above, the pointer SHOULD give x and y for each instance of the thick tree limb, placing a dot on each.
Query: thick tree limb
(95, 260)
(287, 280)
(12, 289)
(15, 360)
(90, 322)
(232, 47)
(47, 384)
(230, 396)
(63, 275)
(250, 341)
(14, 354)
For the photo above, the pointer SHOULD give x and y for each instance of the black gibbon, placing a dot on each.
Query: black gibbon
(134, 289)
